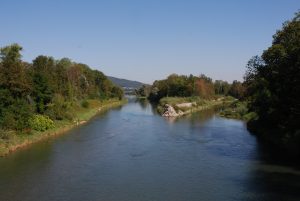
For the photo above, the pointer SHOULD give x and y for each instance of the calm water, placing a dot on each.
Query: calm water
(133, 154)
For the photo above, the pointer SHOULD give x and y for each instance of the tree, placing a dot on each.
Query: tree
(182, 86)
(237, 90)
(117, 92)
(14, 89)
(273, 90)
(48, 87)
(144, 91)
(13, 76)
(221, 87)
(42, 89)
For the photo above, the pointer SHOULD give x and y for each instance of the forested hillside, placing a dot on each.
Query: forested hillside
(125, 83)
(46, 90)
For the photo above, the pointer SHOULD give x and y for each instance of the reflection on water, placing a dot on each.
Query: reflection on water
(132, 153)
(142, 102)
(145, 104)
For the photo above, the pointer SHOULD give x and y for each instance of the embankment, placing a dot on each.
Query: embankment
(83, 115)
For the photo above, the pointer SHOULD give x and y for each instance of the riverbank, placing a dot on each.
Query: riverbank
(179, 106)
(236, 110)
(83, 115)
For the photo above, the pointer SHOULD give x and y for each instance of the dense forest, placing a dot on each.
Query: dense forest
(273, 87)
(46, 90)
(191, 86)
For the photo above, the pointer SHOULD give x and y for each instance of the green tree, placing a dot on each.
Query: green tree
(42, 88)
(13, 76)
(14, 89)
(273, 88)
(221, 87)
(182, 86)
(52, 88)
(237, 90)
(117, 92)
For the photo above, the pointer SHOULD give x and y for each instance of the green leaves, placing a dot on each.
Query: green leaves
(182, 86)
(41, 123)
(273, 86)
(46, 87)
(10, 54)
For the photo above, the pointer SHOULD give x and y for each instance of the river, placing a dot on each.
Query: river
(132, 154)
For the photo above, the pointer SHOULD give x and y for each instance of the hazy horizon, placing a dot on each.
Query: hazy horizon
(147, 41)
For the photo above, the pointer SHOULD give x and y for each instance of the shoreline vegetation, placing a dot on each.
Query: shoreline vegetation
(179, 106)
(227, 107)
(48, 97)
(17, 141)
(236, 109)
(179, 95)
(272, 81)
(267, 99)
(35, 96)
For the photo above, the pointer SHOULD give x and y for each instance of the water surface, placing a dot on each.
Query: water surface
(132, 154)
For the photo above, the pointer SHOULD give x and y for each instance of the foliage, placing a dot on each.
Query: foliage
(12, 71)
(85, 104)
(60, 108)
(273, 90)
(143, 91)
(40, 122)
(182, 86)
(47, 87)
(117, 92)
(15, 116)
(237, 90)
(221, 87)
(191, 86)
(237, 110)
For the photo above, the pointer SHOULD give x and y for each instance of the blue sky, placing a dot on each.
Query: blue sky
(146, 40)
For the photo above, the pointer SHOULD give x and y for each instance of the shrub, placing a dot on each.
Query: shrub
(160, 109)
(41, 122)
(85, 104)
(16, 115)
(60, 109)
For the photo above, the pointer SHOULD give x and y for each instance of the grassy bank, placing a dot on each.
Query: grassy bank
(195, 104)
(11, 141)
(236, 110)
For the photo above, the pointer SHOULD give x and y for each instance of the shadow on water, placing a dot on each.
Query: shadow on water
(270, 183)
(273, 155)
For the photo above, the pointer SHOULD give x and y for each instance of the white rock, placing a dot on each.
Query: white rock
(169, 111)
(184, 105)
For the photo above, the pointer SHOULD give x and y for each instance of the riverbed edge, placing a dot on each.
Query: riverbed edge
(25, 141)
(175, 102)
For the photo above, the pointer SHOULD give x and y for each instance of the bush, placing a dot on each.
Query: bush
(16, 115)
(85, 104)
(250, 116)
(60, 109)
(41, 122)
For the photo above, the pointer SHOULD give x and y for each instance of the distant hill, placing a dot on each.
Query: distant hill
(126, 83)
